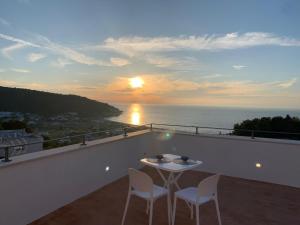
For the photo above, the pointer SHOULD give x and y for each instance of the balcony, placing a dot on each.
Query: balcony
(88, 184)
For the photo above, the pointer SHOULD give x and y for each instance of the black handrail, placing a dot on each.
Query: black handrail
(222, 128)
(125, 130)
(150, 126)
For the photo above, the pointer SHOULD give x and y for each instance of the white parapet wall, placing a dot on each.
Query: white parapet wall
(237, 156)
(36, 184)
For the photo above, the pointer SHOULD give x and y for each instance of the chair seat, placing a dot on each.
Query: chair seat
(157, 193)
(190, 194)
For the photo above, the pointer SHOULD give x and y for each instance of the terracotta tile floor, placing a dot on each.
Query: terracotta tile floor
(242, 202)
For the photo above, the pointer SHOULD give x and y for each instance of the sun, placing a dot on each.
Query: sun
(136, 82)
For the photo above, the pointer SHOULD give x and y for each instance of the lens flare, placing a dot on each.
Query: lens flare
(166, 135)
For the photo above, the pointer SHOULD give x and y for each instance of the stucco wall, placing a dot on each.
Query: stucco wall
(36, 184)
(237, 156)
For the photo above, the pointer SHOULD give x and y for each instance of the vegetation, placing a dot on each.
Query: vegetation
(278, 125)
(14, 125)
(48, 104)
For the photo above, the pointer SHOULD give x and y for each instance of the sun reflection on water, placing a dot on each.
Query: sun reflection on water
(135, 118)
(135, 114)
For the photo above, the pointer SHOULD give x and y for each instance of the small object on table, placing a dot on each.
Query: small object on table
(184, 158)
(159, 157)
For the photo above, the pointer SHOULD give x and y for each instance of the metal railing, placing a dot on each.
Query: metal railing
(152, 126)
(228, 131)
(82, 137)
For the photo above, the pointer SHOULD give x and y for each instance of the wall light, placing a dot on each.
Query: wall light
(258, 165)
(107, 169)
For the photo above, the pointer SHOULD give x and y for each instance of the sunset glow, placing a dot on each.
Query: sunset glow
(136, 82)
(158, 58)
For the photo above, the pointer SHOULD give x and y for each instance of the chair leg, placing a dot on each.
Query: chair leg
(218, 211)
(169, 209)
(151, 212)
(147, 209)
(126, 208)
(174, 210)
(192, 211)
(197, 214)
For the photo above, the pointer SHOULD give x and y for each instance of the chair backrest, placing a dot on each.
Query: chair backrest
(140, 181)
(209, 186)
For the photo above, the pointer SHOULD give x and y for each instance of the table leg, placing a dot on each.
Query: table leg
(167, 185)
(162, 177)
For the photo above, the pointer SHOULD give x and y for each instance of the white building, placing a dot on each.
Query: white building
(20, 142)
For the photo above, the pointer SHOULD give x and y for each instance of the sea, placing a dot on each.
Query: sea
(202, 116)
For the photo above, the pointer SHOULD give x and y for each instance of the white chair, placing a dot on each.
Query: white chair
(141, 185)
(206, 191)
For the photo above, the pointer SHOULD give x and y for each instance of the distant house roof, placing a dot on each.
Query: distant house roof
(13, 133)
(17, 137)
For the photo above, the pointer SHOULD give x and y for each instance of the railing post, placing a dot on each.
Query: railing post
(151, 127)
(197, 132)
(6, 155)
(125, 132)
(83, 140)
(252, 134)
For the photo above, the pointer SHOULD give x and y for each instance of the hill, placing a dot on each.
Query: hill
(49, 104)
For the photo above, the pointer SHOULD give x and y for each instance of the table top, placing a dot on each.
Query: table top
(171, 166)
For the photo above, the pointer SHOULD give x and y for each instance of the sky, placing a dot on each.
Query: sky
(204, 52)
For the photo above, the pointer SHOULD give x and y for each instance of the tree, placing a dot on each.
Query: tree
(15, 125)
(276, 127)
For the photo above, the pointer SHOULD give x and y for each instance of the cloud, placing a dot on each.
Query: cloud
(18, 70)
(9, 50)
(169, 85)
(119, 61)
(166, 85)
(135, 45)
(177, 91)
(212, 76)
(162, 62)
(2, 70)
(54, 48)
(19, 44)
(4, 22)
(61, 62)
(172, 63)
(13, 39)
(33, 57)
(238, 67)
(167, 89)
(246, 88)
(69, 53)
(286, 84)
